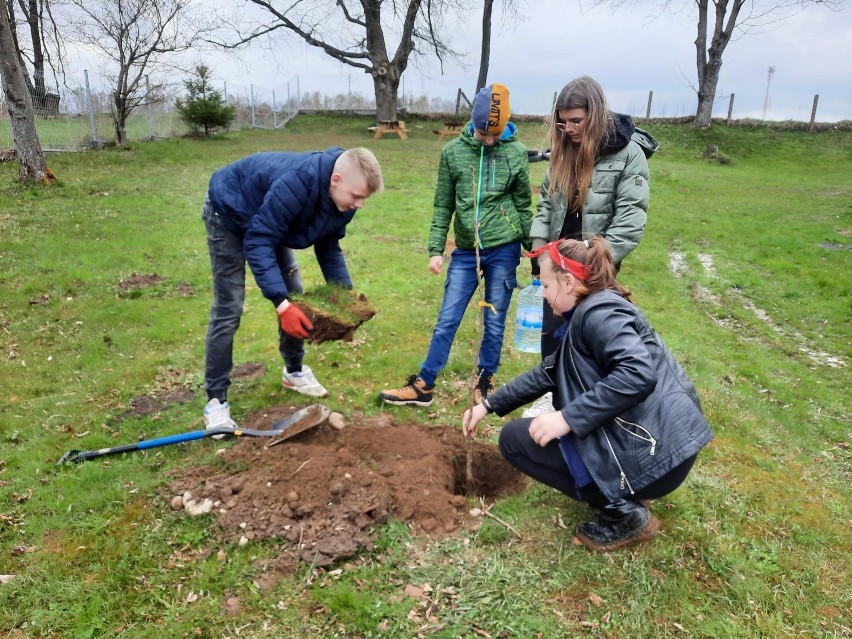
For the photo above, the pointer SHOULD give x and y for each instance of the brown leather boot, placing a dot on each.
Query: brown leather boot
(415, 392)
(483, 386)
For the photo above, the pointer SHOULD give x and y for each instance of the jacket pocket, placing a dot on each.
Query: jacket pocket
(512, 221)
(607, 175)
(648, 434)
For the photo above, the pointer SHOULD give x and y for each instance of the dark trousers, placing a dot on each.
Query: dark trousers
(546, 465)
(549, 324)
(228, 263)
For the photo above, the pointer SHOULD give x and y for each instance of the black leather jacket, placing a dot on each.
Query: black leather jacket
(634, 413)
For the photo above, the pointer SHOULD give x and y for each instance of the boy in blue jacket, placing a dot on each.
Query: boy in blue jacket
(258, 210)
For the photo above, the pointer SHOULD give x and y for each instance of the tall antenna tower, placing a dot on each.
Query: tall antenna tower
(766, 100)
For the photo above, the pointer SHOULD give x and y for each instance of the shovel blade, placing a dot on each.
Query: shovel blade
(299, 422)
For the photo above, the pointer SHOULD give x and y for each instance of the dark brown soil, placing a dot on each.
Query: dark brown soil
(137, 281)
(328, 326)
(149, 404)
(325, 493)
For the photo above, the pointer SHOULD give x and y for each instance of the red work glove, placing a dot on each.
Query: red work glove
(293, 321)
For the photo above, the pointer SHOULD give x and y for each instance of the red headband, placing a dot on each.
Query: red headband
(567, 264)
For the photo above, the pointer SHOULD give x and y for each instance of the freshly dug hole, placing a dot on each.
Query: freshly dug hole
(325, 493)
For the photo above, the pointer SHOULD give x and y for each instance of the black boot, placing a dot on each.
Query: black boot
(619, 523)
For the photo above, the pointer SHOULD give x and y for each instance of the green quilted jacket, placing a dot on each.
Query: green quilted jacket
(488, 184)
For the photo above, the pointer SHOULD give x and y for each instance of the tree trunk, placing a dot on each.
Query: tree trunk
(707, 93)
(709, 58)
(485, 55)
(38, 53)
(385, 85)
(33, 167)
(120, 119)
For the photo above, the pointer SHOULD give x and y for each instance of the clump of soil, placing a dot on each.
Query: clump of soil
(325, 492)
(335, 311)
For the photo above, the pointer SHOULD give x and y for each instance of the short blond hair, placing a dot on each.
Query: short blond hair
(363, 161)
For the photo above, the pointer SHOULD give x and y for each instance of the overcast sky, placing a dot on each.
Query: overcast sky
(627, 52)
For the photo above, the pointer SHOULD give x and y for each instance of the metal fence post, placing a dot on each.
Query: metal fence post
(225, 94)
(252, 106)
(730, 110)
(95, 142)
(150, 110)
(813, 112)
(274, 111)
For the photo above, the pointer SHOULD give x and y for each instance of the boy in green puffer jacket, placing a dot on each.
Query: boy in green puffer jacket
(484, 189)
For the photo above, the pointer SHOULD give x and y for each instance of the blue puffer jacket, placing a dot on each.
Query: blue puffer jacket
(282, 199)
(633, 411)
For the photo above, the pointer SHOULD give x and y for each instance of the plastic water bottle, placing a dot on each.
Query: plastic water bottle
(529, 319)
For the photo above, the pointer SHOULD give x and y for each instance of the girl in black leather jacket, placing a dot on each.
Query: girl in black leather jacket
(627, 424)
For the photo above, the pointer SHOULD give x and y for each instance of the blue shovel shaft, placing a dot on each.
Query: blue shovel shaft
(173, 439)
(297, 422)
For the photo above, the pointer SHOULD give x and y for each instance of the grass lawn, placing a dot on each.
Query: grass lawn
(745, 270)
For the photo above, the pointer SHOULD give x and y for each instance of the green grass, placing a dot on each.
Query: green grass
(756, 544)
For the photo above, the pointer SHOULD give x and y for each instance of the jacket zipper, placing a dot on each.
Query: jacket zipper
(650, 438)
(624, 480)
(477, 238)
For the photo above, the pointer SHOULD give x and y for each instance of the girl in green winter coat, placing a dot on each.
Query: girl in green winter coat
(597, 185)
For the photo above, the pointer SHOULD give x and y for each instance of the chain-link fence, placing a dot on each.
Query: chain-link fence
(81, 117)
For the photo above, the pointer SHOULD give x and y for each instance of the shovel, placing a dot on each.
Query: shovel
(296, 423)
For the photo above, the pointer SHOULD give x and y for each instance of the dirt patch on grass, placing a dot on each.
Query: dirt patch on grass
(324, 494)
(138, 280)
(248, 372)
(149, 404)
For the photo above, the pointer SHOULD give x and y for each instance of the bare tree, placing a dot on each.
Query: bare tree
(730, 17)
(33, 167)
(34, 46)
(354, 32)
(136, 37)
(485, 53)
(510, 11)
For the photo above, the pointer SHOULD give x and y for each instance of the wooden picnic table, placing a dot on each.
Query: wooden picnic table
(395, 127)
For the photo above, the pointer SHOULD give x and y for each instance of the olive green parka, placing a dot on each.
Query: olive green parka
(616, 204)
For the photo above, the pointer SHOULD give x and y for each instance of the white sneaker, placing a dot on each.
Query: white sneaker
(217, 415)
(542, 405)
(303, 382)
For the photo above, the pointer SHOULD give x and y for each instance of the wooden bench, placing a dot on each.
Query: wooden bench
(450, 128)
(384, 127)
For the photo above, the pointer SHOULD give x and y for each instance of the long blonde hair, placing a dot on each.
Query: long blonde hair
(571, 164)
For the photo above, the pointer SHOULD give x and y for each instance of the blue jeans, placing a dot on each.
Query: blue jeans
(498, 267)
(228, 264)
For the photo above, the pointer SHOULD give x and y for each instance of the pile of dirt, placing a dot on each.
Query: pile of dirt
(325, 492)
